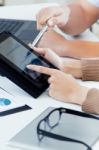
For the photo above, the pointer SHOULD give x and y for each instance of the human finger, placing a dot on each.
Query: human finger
(41, 51)
(46, 14)
(41, 69)
(51, 80)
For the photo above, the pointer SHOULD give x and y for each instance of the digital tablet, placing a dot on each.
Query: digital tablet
(14, 57)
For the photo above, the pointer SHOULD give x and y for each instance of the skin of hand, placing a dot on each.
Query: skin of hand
(66, 17)
(52, 16)
(54, 41)
(69, 48)
(71, 66)
(83, 15)
(67, 65)
(63, 87)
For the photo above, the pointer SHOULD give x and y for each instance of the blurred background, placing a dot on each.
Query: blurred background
(21, 2)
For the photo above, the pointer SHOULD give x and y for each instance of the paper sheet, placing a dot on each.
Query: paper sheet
(8, 101)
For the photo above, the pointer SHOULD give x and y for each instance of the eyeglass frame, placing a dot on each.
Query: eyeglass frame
(57, 136)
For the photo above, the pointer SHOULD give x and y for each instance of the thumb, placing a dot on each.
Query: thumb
(52, 22)
(53, 58)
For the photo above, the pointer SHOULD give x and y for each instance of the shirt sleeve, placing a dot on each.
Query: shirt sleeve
(90, 69)
(94, 2)
(91, 104)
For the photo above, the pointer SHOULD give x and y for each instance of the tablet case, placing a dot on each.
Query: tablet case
(7, 71)
(72, 126)
(33, 87)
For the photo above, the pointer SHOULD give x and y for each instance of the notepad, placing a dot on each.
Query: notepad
(10, 104)
(72, 126)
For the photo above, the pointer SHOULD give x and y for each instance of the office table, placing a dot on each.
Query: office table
(12, 124)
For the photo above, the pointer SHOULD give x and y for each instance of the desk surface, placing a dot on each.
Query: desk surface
(12, 124)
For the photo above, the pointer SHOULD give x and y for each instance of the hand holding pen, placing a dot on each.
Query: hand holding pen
(55, 15)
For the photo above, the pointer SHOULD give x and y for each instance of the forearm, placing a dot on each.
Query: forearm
(71, 48)
(88, 98)
(80, 49)
(82, 16)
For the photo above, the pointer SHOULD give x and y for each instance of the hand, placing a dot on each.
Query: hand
(54, 41)
(53, 16)
(71, 66)
(49, 55)
(67, 65)
(62, 87)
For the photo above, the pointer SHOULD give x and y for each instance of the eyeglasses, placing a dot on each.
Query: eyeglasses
(53, 119)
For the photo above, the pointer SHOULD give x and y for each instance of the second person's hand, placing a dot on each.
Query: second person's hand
(56, 15)
(67, 65)
(49, 55)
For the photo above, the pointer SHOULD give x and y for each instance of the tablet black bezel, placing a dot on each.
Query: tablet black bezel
(15, 74)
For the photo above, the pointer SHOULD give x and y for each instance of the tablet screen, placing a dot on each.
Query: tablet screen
(20, 56)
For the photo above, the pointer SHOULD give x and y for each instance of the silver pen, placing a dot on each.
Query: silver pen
(39, 35)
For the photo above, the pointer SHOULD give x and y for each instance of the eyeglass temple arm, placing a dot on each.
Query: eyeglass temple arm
(62, 138)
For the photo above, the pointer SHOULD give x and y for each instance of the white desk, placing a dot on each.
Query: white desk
(11, 124)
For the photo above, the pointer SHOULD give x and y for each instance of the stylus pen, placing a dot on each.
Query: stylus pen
(39, 35)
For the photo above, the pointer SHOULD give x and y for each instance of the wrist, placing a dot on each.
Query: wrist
(69, 48)
(71, 66)
(77, 71)
(83, 92)
(63, 47)
(80, 96)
